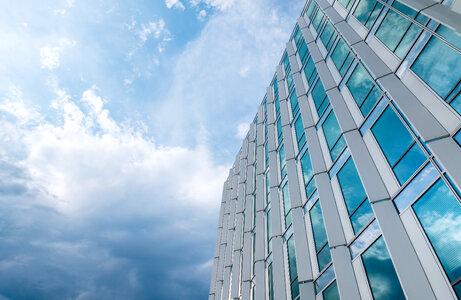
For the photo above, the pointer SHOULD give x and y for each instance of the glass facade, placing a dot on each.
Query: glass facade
(380, 156)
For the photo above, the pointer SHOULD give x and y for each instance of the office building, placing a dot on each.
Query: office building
(347, 184)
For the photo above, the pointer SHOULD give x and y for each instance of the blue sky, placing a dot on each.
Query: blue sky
(119, 121)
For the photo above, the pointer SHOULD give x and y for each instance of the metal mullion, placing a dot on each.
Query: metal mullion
(358, 206)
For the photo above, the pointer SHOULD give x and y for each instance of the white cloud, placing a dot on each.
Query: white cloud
(242, 130)
(155, 28)
(174, 4)
(218, 4)
(201, 15)
(50, 55)
(63, 11)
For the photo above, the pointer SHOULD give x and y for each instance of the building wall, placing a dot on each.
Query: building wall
(347, 184)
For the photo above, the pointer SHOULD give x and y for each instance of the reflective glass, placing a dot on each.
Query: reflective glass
(318, 227)
(299, 130)
(328, 36)
(367, 11)
(298, 36)
(409, 163)
(365, 238)
(318, 20)
(324, 279)
(361, 216)
(308, 173)
(324, 257)
(311, 9)
(331, 292)
(279, 130)
(457, 138)
(269, 232)
(440, 215)
(294, 289)
(283, 169)
(290, 81)
(342, 57)
(277, 105)
(396, 32)
(286, 63)
(267, 187)
(292, 258)
(351, 186)
(294, 103)
(286, 205)
(457, 289)
(440, 67)
(381, 274)
(271, 283)
(333, 135)
(302, 50)
(320, 97)
(310, 71)
(363, 90)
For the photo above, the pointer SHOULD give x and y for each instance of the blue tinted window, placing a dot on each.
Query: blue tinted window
(440, 67)
(333, 135)
(320, 236)
(397, 144)
(311, 9)
(286, 63)
(440, 215)
(294, 103)
(283, 169)
(318, 20)
(457, 138)
(354, 195)
(328, 36)
(293, 269)
(299, 130)
(267, 187)
(303, 52)
(363, 90)
(286, 205)
(367, 11)
(320, 97)
(271, 283)
(279, 130)
(310, 71)
(396, 32)
(298, 36)
(383, 280)
(290, 81)
(331, 292)
(269, 232)
(277, 105)
(347, 3)
(342, 57)
(308, 173)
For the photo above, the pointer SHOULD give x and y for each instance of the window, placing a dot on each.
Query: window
(267, 188)
(363, 90)
(286, 205)
(294, 103)
(440, 67)
(342, 57)
(320, 236)
(328, 36)
(347, 3)
(383, 280)
(286, 63)
(271, 282)
(311, 9)
(279, 130)
(396, 32)
(357, 204)
(333, 135)
(310, 71)
(277, 105)
(401, 151)
(318, 20)
(293, 268)
(290, 81)
(331, 292)
(297, 36)
(299, 130)
(269, 231)
(266, 149)
(302, 51)
(308, 174)
(457, 138)
(439, 213)
(320, 97)
(283, 164)
(367, 11)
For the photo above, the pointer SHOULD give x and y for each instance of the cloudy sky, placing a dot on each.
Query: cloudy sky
(119, 121)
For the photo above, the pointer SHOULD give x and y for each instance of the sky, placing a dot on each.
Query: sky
(119, 121)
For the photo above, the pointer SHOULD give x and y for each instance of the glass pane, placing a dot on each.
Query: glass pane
(440, 215)
(351, 186)
(297, 36)
(365, 238)
(383, 280)
(292, 258)
(412, 160)
(282, 162)
(318, 227)
(277, 105)
(392, 136)
(457, 289)
(457, 138)
(308, 173)
(324, 257)
(338, 148)
(303, 51)
(294, 289)
(318, 20)
(331, 292)
(331, 129)
(299, 130)
(439, 65)
(279, 130)
(310, 71)
(367, 11)
(328, 36)
(294, 103)
(346, 3)
(361, 216)
(320, 97)
(363, 90)
(341, 57)
(269, 231)
(271, 283)
(286, 199)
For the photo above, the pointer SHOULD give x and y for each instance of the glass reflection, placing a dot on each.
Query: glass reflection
(325, 279)
(440, 216)
(365, 238)
(331, 292)
(333, 135)
(342, 57)
(367, 11)
(363, 90)
(381, 274)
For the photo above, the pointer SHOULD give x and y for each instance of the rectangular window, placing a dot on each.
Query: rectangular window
(283, 164)
(297, 36)
(318, 20)
(457, 138)
(357, 204)
(320, 97)
(440, 67)
(401, 151)
(320, 236)
(383, 280)
(286, 63)
(293, 271)
(331, 292)
(302, 51)
(299, 130)
(310, 71)
(328, 36)
(308, 174)
(311, 9)
(439, 213)
(333, 135)
(367, 11)
(279, 130)
(290, 81)
(363, 90)
(396, 32)
(342, 57)
(269, 231)
(347, 3)
(266, 149)
(294, 103)
(271, 282)
(286, 205)
(277, 105)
